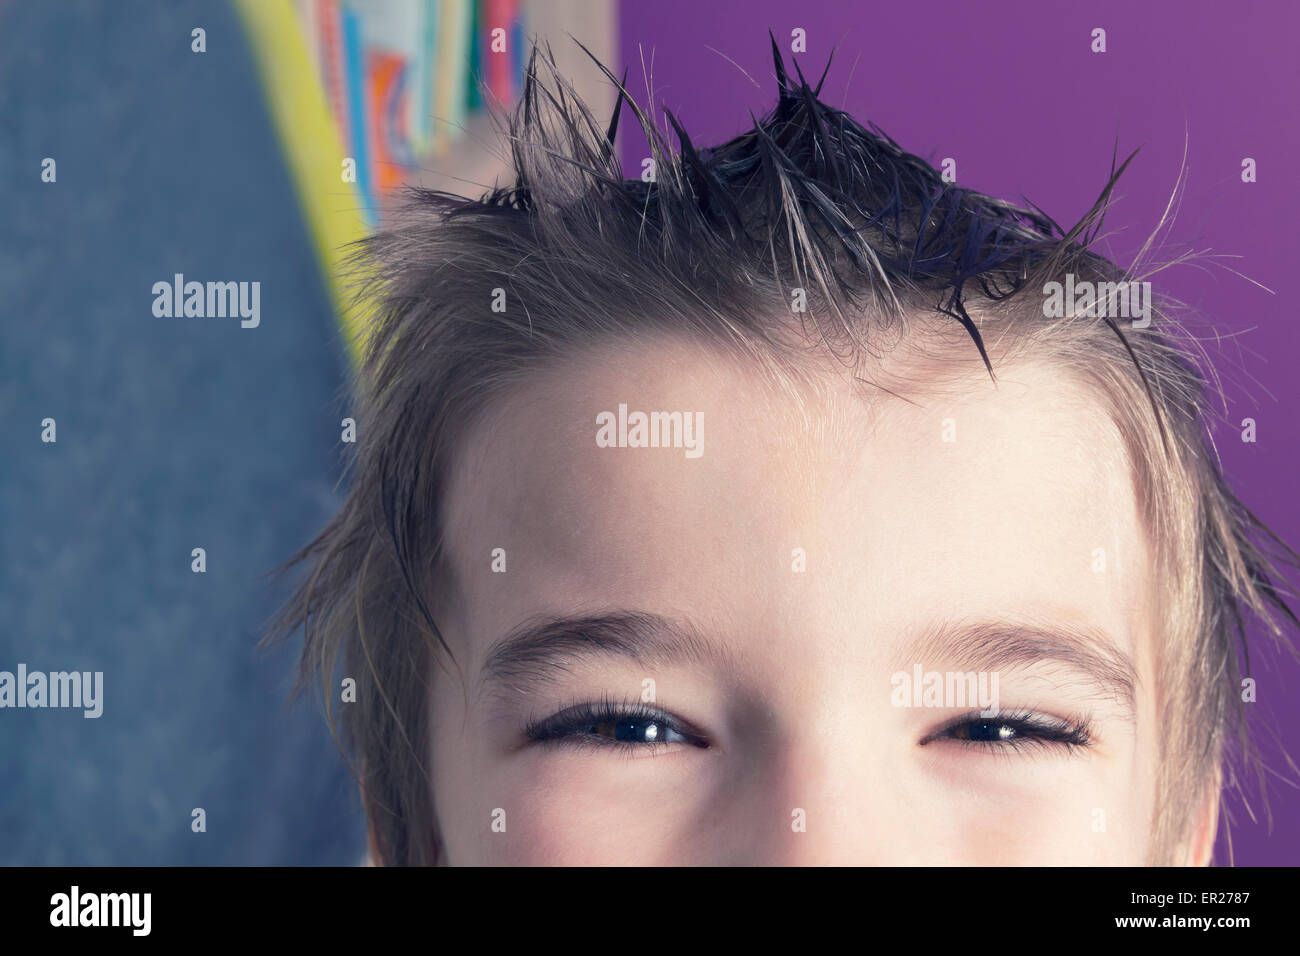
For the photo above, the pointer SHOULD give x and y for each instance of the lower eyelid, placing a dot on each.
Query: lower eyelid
(689, 739)
(1012, 746)
(621, 748)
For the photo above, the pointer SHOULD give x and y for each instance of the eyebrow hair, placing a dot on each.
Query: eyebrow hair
(536, 649)
(1004, 645)
(532, 652)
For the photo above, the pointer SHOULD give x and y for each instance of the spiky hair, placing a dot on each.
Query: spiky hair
(710, 248)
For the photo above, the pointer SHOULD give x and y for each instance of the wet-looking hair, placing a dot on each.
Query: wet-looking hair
(714, 247)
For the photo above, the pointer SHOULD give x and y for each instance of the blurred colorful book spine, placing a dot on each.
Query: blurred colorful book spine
(402, 77)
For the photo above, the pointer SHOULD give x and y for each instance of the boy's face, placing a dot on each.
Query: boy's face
(789, 585)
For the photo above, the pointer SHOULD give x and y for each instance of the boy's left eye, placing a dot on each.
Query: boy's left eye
(1014, 731)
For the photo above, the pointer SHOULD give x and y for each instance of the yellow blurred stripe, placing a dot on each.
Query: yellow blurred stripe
(311, 142)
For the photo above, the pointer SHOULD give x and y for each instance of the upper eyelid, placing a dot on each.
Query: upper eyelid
(610, 709)
(614, 709)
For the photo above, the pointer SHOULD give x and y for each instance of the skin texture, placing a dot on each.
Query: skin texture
(808, 760)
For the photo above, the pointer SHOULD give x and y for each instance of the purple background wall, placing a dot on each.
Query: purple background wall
(1013, 93)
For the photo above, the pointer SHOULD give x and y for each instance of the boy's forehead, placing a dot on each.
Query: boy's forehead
(983, 499)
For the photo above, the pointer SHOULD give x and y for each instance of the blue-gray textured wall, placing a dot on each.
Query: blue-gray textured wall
(172, 434)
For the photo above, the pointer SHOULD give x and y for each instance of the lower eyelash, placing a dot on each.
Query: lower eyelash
(624, 748)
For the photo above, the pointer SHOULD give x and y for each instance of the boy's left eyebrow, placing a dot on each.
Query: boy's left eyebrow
(997, 645)
(533, 651)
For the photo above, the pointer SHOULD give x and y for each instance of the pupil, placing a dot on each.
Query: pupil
(990, 731)
(638, 731)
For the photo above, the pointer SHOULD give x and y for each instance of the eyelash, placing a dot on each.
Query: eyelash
(573, 726)
(1031, 731)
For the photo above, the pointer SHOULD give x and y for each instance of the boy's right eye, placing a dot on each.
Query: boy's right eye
(637, 726)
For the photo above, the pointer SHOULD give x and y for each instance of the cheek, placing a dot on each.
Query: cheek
(535, 807)
(1099, 827)
(576, 809)
(1027, 810)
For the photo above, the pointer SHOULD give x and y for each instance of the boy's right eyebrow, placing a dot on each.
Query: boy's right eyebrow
(532, 652)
